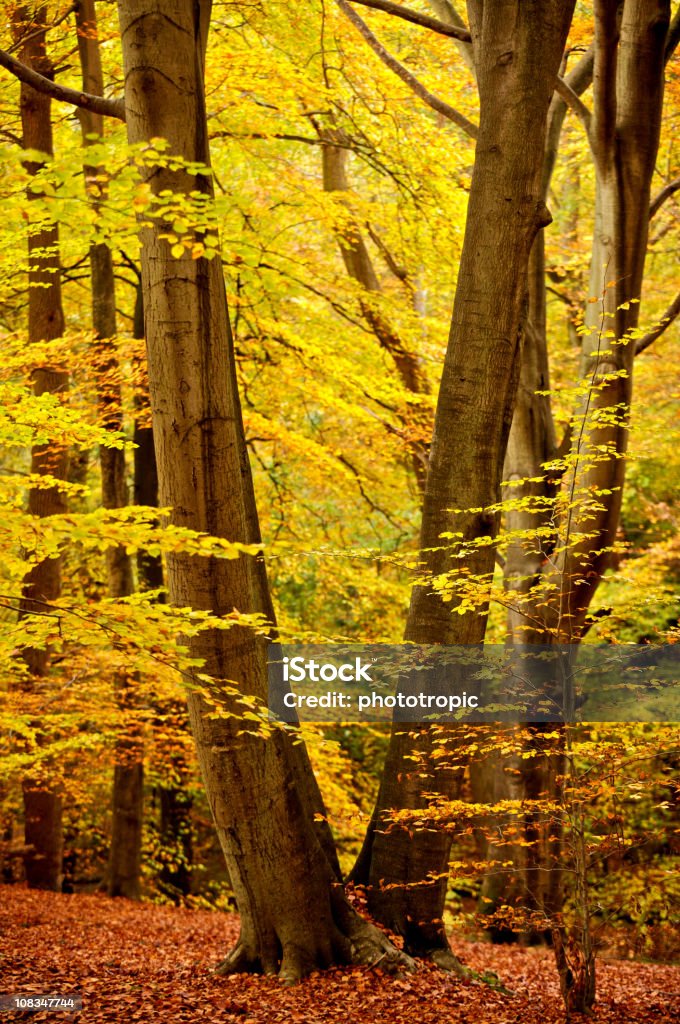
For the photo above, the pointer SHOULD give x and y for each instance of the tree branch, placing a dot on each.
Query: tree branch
(666, 320)
(446, 12)
(565, 91)
(98, 104)
(393, 64)
(660, 198)
(424, 20)
(31, 34)
(581, 75)
(240, 136)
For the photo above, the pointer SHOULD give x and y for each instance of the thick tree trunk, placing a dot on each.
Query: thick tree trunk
(42, 800)
(128, 778)
(175, 829)
(517, 50)
(294, 915)
(534, 880)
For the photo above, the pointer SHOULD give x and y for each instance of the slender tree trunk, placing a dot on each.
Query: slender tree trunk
(128, 776)
(42, 797)
(294, 915)
(359, 266)
(629, 58)
(627, 107)
(517, 50)
(175, 828)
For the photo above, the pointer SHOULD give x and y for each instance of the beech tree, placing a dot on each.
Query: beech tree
(262, 792)
(42, 797)
(128, 778)
(516, 50)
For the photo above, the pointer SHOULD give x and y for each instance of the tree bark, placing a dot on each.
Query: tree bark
(517, 50)
(175, 828)
(534, 881)
(42, 799)
(294, 915)
(124, 869)
(628, 98)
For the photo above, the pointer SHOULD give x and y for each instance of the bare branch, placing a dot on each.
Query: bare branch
(424, 20)
(666, 320)
(578, 80)
(401, 273)
(247, 136)
(660, 198)
(581, 75)
(394, 65)
(563, 89)
(98, 104)
(31, 34)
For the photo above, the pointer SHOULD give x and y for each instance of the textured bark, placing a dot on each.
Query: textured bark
(175, 827)
(534, 881)
(629, 55)
(124, 867)
(42, 800)
(294, 915)
(517, 50)
(628, 97)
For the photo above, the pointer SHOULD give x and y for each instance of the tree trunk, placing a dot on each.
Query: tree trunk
(629, 58)
(531, 444)
(627, 107)
(128, 778)
(294, 915)
(359, 266)
(517, 50)
(42, 798)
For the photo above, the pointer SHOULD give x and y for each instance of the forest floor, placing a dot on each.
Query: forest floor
(139, 962)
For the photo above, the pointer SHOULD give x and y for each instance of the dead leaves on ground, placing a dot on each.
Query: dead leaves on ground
(141, 963)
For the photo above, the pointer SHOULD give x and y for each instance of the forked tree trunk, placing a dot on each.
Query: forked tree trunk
(42, 798)
(294, 915)
(127, 801)
(534, 880)
(626, 124)
(517, 50)
(629, 55)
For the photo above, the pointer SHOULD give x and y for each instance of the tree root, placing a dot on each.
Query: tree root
(353, 941)
(445, 960)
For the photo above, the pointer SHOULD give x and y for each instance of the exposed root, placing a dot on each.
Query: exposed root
(373, 949)
(352, 940)
(370, 947)
(445, 960)
(239, 962)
